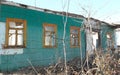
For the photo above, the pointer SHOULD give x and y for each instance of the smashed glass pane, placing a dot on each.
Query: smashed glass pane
(20, 40)
(47, 33)
(53, 39)
(47, 41)
(12, 31)
(74, 31)
(74, 36)
(76, 42)
(19, 23)
(95, 39)
(12, 40)
(12, 24)
(108, 36)
(49, 28)
(20, 31)
(49, 38)
(21, 26)
(72, 41)
(16, 25)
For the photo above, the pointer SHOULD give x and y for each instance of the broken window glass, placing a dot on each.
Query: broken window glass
(74, 36)
(48, 28)
(16, 24)
(20, 37)
(117, 36)
(109, 40)
(49, 35)
(15, 32)
(95, 39)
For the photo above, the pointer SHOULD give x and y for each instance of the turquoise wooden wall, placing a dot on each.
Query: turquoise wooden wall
(34, 50)
(105, 28)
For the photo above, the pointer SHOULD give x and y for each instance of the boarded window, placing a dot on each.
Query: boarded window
(49, 35)
(15, 33)
(74, 36)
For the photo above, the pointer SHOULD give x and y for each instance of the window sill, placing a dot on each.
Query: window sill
(11, 50)
(12, 47)
(49, 46)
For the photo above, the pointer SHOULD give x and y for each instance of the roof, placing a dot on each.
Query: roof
(116, 25)
(41, 9)
(51, 11)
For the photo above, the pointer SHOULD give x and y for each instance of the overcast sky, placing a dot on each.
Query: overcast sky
(107, 10)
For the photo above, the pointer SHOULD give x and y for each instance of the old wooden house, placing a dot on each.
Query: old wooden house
(35, 34)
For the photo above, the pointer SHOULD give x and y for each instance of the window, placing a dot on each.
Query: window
(49, 35)
(117, 36)
(75, 36)
(96, 39)
(15, 33)
(109, 39)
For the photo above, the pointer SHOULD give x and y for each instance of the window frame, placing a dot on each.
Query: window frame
(78, 29)
(55, 31)
(7, 33)
(109, 40)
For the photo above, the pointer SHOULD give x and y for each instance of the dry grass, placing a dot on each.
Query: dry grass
(103, 63)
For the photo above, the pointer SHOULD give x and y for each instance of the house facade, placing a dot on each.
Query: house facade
(34, 34)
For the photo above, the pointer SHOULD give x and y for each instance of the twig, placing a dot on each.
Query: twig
(32, 66)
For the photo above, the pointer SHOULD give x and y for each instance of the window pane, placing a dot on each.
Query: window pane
(74, 41)
(95, 39)
(74, 36)
(12, 24)
(16, 25)
(118, 38)
(19, 26)
(20, 37)
(49, 35)
(12, 39)
(19, 23)
(12, 31)
(108, 36)
(47, 40)
(20, 31)
(74, 31)
(48, 28)
(53, 39)
(20, 40)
